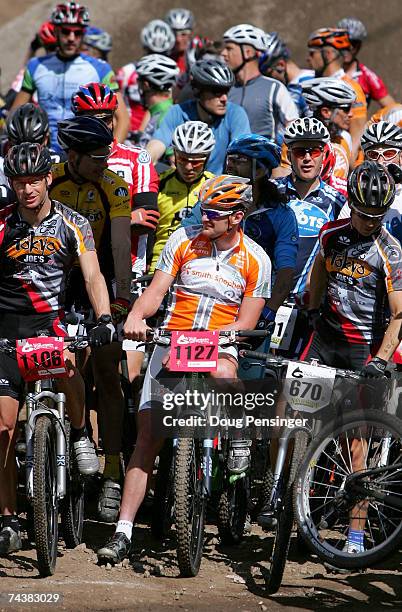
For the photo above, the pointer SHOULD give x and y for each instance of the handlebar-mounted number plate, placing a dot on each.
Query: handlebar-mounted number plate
(194, 351)
(308, 387)
(40, 358)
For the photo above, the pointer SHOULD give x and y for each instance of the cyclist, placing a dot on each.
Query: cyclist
(156, 37)
(327, 48)
(193, 142)
(275, 63)
(43, 74)
(181, 21)
(211, 81)
(86, 185)
(39, 241)
(357, 271)
(157, 75)
(266, 101)
(373, 87)
(215, 250)
(97, 43)
(327, 171)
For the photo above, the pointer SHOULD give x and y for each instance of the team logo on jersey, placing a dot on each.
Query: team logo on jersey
(310, 218)
(34, 249)
(344, 240)
(144, 157)
(121, 192)
(92, 215)
(348, 266)
(90, 196)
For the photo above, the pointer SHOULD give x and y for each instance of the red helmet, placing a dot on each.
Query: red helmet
(46, 34)
(328, 162)
(70, 13)
(93, 97)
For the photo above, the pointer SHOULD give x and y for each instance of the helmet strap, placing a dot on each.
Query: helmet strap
(245, 61)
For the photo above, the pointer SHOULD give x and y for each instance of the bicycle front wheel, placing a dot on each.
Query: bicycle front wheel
(325, 503)
(190, 501)
(45, 506)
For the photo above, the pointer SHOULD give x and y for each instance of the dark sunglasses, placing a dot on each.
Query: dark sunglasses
(76, 31)
(99, 158)
(212, 215)
(366, 216)
(301, 152)
(345, 107)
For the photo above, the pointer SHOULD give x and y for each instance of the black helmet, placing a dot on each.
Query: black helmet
(211, 74)
(27, 159)
(29, 123)
(370, 185)
(83, 134)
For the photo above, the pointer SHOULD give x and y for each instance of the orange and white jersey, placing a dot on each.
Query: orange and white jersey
(210, 284)
(342, 145)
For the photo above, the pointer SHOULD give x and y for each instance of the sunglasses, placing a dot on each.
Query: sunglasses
(218, 93)
(76, 31)
(212, 215)
(301, 152)
(99, 158)
(387, 154)
(366, 216)
(346, 108)
(197, 162)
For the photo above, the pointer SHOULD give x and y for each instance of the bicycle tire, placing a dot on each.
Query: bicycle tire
(307, 528)
(283, 528)
(190, 503)
(163, 502)
(45, 491)
(232, 511)
(72, 507)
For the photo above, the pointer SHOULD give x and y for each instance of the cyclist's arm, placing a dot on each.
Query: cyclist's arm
(281, 289)
(94, 283)
(121, 249)
(149, 301)
(156, 149)
(22, 97)
(249, 314)
(122, 115)
(392, 336)
(386, 100)
(318, 282)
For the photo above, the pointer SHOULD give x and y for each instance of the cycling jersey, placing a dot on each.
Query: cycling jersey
(56, 79)
(98, 202)
(135, 166)
(320, 205)
(175, 201)
(35, 260)
(210, 284)
(158, 112)
(383, 113)
(361, 271)
(7, 196)
(359, 106)
(225, 129)
(296, 93)
(374, 88)
(127, 80)
(268, 104)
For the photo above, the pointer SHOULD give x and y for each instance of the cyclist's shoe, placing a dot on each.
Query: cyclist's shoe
(267, 517)
(239, 456)
(353, 548)
(10, 541)
(109, 501)
(85, 454)
(114, 551)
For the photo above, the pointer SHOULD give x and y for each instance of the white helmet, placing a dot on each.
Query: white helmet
(327, 92)
(193, 137)
(158, 36)
(382, 133)
(307, 128)
(356, 29)
(246, 34)
(180, 19)
(159, 70)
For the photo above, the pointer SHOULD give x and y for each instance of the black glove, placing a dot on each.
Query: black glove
(314, 318)
(375, 368)
(103, 332)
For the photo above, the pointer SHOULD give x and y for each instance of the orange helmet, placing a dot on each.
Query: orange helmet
(226, 192)
(330, 37)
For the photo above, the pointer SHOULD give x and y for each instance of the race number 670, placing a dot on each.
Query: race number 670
(302, 388)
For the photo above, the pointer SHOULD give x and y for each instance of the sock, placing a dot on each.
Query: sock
(356, 536)
(78, 434)
(11, 520)
(112, 467)
(125, 527)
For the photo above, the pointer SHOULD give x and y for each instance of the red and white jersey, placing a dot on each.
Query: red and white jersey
(127, 80)
(135, 166)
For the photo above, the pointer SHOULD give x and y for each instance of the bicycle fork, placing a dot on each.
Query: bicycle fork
(57, 415)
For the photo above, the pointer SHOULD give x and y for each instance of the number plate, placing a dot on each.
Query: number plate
(194, 351)
(40, 358)
(308, 387)
(284, 325)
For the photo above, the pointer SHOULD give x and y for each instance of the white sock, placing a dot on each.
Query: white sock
(125, 527)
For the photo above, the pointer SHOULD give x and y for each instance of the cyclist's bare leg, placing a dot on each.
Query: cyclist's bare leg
(358, 514)
(227, 368)
(140, 466)
(74, 389)
(8, 475)
(134, 364)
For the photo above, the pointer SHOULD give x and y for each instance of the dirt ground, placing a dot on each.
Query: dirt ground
(231, 578)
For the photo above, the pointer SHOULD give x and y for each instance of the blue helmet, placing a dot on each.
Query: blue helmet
(265, 151)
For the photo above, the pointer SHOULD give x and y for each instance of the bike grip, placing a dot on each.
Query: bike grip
(261, 333)
(146, 278)
(254, 355)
